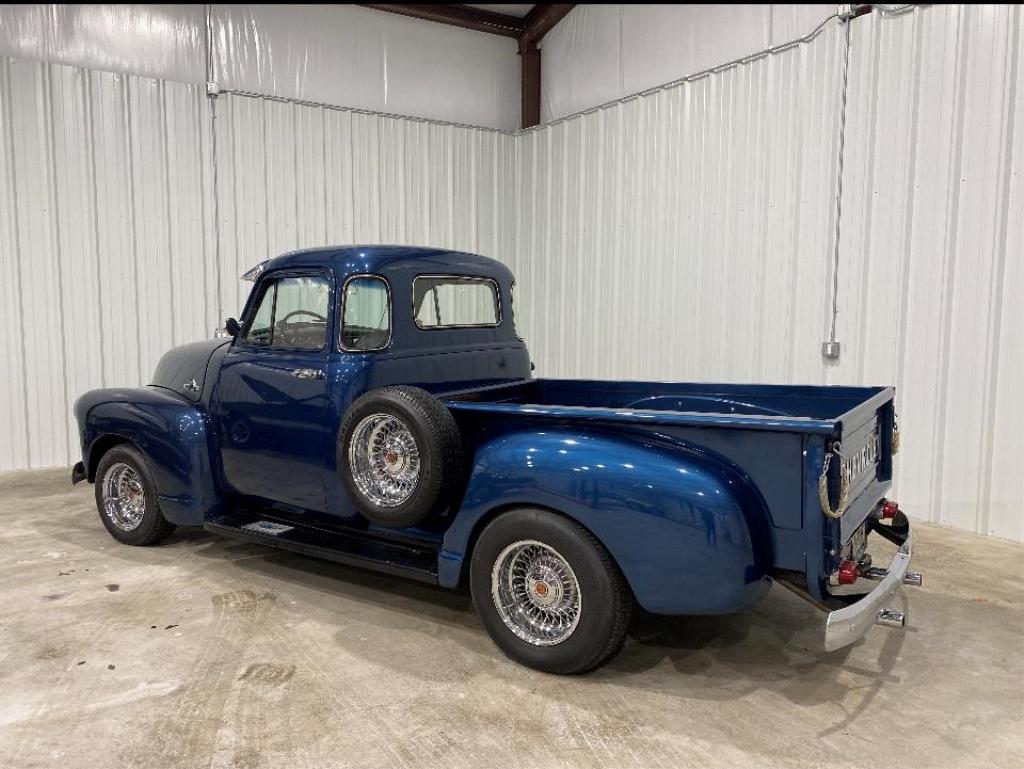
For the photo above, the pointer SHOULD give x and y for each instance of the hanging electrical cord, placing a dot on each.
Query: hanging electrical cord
(212, 91)
(718, 68)
(885, 10)
(219, 89)
(750, 57)
(830, 349)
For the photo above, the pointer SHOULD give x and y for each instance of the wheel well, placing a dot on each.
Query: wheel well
(490, 515)
(101, 446)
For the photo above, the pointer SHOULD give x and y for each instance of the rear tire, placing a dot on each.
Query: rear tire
(548, 592)
(126, 498)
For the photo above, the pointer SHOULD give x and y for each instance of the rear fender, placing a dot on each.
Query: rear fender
(170, 432)
(688, 531)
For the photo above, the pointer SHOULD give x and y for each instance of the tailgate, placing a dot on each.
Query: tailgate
(865, 454)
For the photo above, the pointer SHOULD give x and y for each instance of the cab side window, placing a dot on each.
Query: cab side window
(291, 314)
(366, 315)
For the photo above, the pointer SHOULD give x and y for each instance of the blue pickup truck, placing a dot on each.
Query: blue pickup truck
(375, 406)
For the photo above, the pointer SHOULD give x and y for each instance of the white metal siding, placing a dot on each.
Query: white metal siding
(339, 54)
(932, 261)
(107, 241)
(683, 235)
(687, 235)
(603, 51)
(293, 176)
(366, 58)
(103, 249)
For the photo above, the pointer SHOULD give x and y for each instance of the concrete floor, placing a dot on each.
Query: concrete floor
(205, 652)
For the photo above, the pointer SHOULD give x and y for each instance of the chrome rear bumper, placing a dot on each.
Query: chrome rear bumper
(849, 624)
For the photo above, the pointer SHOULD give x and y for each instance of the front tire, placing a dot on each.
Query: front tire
(548, 592)
(126, 498)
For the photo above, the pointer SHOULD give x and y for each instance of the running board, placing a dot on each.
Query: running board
(417, 562)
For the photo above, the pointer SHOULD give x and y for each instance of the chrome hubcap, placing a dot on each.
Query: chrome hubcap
(124, 496)
(385, 460)
(536, 593)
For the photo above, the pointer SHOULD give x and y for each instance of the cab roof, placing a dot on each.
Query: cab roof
(356, 259)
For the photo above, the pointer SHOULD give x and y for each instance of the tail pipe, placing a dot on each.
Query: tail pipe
(891, 618)
(910, 578)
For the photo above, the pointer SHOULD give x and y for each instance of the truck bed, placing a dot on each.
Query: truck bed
(799, 408)
(778, 435)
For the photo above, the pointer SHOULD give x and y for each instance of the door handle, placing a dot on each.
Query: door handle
(308, 373)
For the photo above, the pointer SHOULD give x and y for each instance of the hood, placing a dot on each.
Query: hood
(184, 368)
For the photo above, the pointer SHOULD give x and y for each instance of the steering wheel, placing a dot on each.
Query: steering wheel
(282, 325)
(293, 313)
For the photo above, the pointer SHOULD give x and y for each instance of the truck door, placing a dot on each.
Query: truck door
(271, 398)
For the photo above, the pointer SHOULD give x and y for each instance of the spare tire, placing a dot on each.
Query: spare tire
(399, 455)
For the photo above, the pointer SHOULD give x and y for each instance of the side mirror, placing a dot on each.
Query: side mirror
(232, 327)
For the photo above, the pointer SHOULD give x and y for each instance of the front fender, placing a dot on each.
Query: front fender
(172, 434)
(687, 530)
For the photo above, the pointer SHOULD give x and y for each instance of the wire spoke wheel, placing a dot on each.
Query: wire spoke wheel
(536, 593)
(384, 459)
(124, 496)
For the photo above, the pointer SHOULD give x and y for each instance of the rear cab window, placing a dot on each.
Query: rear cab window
(455, 301)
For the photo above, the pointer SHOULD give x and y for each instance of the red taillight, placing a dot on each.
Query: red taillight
(890, 508)
(847, 573)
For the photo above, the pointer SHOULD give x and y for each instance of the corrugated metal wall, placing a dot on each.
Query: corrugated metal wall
(105, 246)
(108, 244)
(933, 252)
(689, 235)
(292, 175)
(604, 51)
(335, 53)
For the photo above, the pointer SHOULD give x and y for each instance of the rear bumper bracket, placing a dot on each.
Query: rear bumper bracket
(851, 623)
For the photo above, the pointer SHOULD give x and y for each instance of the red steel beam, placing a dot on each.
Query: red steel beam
(529, 89)
(539, 21)
(542, 19)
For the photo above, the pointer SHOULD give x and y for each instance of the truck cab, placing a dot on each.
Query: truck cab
(322, 328)
(374, 405)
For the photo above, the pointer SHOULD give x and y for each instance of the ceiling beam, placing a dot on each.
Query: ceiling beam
(457, 16)
(542, 19)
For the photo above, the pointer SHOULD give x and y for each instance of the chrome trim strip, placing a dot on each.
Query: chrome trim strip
(852, 622)
(253, 273)
(511, 308)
